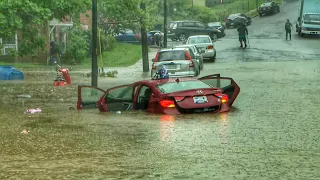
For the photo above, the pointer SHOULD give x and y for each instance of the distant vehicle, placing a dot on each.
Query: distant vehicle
(196, 52)
(181, 30)
(211, 94)
(219, 26)
(309, 18)
(234, 20)
(268, 8)
(204, 45)
(130, 36)
(179, 62)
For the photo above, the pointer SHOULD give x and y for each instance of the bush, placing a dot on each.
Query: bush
(108, 42)
(203, 14)
(78, 44)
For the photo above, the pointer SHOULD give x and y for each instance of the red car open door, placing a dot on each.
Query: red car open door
(120, 98)
(88, 96)
(228, 85)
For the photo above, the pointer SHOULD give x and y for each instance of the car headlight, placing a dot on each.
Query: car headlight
(303, 29)
(218, 31)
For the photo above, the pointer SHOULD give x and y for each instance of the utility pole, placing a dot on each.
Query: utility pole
(144, 41)
(165, 14)
(94, 65)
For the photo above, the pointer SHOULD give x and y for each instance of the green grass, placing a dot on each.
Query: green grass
(124, 54)
(22, 65)
(199, 2)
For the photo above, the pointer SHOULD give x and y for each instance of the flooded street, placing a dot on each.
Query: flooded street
(271, 132)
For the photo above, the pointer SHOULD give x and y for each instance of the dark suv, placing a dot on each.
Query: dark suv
(269, 8)
(181, 30)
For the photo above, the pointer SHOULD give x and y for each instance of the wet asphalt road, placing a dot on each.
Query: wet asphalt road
(272, 131)
(267, 40)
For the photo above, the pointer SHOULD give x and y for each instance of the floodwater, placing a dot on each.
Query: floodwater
(272, 131)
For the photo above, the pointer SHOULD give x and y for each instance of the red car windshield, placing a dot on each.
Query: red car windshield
(181, 86)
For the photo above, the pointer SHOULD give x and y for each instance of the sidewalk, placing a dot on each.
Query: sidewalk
(133, 71)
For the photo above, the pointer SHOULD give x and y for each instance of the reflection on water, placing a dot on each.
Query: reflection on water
(167, 123)
(223, 122)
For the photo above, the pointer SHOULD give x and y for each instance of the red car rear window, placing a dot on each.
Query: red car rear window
(181, 86)
(172, 55)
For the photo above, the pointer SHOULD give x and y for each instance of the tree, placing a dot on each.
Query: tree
(17, 14)
(29, 16)
(78, 43)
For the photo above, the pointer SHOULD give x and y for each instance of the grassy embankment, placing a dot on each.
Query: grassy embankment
(124, 54)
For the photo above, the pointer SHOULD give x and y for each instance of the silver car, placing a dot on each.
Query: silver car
(195, 51)
(179, 62)
(205, 45)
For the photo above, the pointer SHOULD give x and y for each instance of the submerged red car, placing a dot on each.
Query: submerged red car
(167, 96)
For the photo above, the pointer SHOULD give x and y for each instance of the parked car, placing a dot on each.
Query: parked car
(211, 94)
(268, 8)
(196, 52)
(204, 45)
(130, 36)
(219, 26)
(179, 62)
(181, 30)
(234, 20)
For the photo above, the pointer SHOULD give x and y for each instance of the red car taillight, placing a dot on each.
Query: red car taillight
(224, 97)
(210, 47)
(167, 103)
(189, 59)
(155, 60)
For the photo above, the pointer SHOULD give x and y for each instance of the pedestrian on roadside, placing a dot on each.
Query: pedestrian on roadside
(288, 27)
(54, 53)
(158, 38)
(243, 32)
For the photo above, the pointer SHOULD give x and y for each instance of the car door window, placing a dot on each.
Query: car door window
(228, 85)
(120, 98)
(200, 25)
(144, 97)
(89, 96)
(188, 24)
